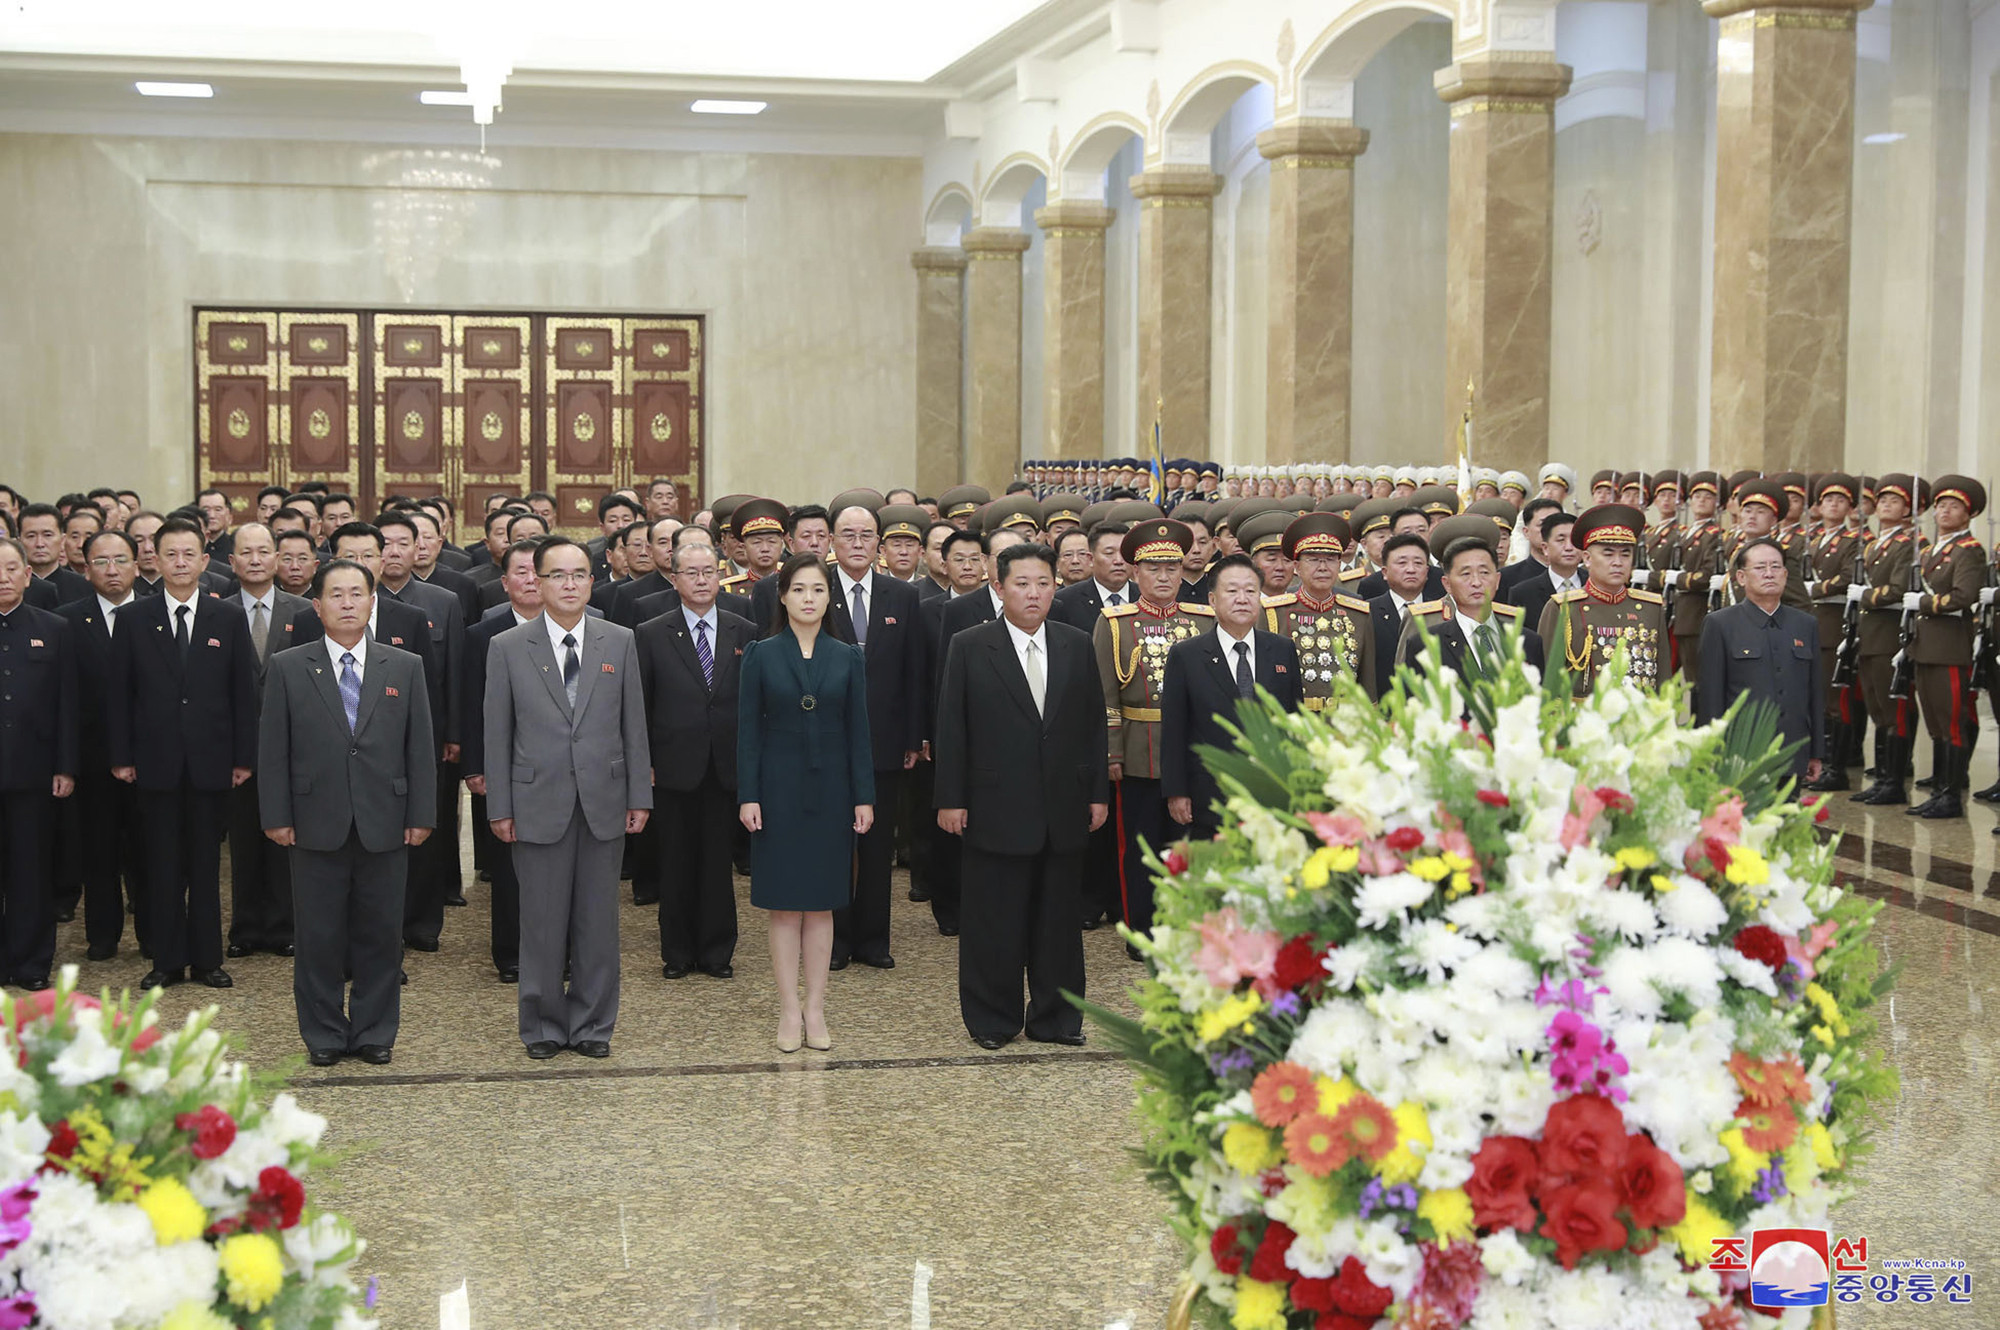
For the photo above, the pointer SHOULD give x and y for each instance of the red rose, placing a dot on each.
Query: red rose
(282, 1193)
(1504, 1173)
(62, 1144)
(1358, 1295)
(1718, 854)
(1582, 1139)
(1614, 801)
(1651, 1185)
(1268, 1265)
(1312, 1295)
(1226, 1251)
(1404, 839)
(1762, 945)
(1494, 799)
(1342, 1321)
(1822, 812)
(214, 1131)
(1298, 962)
(1582, 1217)
(1174, 862)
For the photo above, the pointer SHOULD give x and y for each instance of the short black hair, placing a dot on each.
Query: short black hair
(291, 510)
(1463, 546)
(177, 524)
(527, 547)
(1076, 531)
(937, 524)
(1404, 540)
(958, 537)
(1761, 542)
(1237, 560)
(293, 534)
(340, 565)
(136, 500)
(201, 494)
(543, 495)
(418, 512)
(805, 512)
(638, 531)
(680, 536)
(350, 530)
(319, 487)
(84, 509)
(102, 492)
(297, 497)
(396, 517)
(524, 516)
(1103, 529)
(506, 512)
(1402, 513)
(543, 547)
(441, 501)
(1022, 553)
(1018, 487)
(29, 510)
(1554, 520)
(890, 497)
(331, 499)
(131, 545)
(262, 494)
(610, 501)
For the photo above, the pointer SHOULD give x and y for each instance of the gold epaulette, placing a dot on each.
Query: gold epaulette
(1189, 607)
(1565, 597)
(1351, 602)
(1650, 597)
(1507, 611)
(1279, 602)
(1119, 611)
(1427, 607)
(1354, 574)
(735, 581)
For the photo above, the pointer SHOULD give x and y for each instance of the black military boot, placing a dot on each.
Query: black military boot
(1948, 801)
(1888, 786)
(1937, 780)
(1989, 795)
(1875, 772)
(1833, 771)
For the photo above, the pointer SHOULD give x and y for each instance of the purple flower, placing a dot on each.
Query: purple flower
(1770, 1185)
(18, 1311)
(1231, 1062)
(1285, 1004)
(1371, 1197)
(374, 1292)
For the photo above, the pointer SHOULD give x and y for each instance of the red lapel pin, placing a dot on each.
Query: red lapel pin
(390, 692)
(609, 668)
(214, 642)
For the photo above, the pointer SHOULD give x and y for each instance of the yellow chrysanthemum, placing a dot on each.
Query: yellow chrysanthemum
(1744, 1163)
(1829, 1010)
(1235, 1010)
(1801, 1171)
(101, 1157)
(177, 1216)
(1747, 868)
(1821, 1141)
(194, 1316)
(1636, 858)
(1449, 1213)
(1431, 868)
(1259, 1306)
(1250, 1149)
(1663, 884)
(1413, 1143)
(1333, 1095)
(1327, 860)
(1695, 1235)
(253, 1270)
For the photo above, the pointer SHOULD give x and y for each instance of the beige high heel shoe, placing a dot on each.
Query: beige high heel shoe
(822, 1044)
(788, 1042)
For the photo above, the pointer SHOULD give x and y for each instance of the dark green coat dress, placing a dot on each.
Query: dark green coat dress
(808, 765)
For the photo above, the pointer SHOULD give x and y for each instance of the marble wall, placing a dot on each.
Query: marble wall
(112, 242)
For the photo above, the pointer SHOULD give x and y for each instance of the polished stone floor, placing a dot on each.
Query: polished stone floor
(699, 1179)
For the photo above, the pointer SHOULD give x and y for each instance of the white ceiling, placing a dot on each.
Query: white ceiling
(869, 76)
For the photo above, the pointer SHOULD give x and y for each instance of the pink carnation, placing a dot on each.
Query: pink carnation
(1725, 823)
(1576, 826)
(1337, 828)
(1231, 953)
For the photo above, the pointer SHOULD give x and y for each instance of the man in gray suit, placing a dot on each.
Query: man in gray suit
(568, 776)
(260, 882)
(350, 783)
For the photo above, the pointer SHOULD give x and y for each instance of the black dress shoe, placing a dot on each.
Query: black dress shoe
(987, 1041)
(837, 963)
(66, 916)
(34, 983)
(672, 971)
(719, 971)
(1072, 1040)
(284, 949)
(162, 978)
(485, 875)
(1133, 953)
(455, 898)
(101, 953)
(421, 943)
(645, 898)
(593, 1048)
(376, 1055)
(544, 1049)
(948, 930)
(237, 951)
(216, 978)
(510, 974)
(1092, 925)
(323, 1057)
(882, 962)
(920, 894)
(1989, 795)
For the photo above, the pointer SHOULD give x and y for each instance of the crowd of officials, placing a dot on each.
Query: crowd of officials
(1006, 694)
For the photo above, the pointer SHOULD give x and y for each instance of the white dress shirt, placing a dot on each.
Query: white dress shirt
(1105, 593)
(714, 626)
(269, 600)
(557, 633)
(1403, 607)
(1020, 640)
(1229, 645)
(334, 651)
(1574, 582)
(110, 612)
(867, 585)
(999, 609)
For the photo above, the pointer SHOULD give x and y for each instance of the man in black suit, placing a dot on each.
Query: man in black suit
(487, 570)
(350, 785)
(1079, 604)
(41, 537)
(688, 664)
(1404, 520)
(984, 605)
(1021, 697)
(183, 713)
(1770, 650)
(1406, 565)
(664, 537)
(963, 556)
(38, 765)
(103, 826)
(883, 617)
(431, 568)
(524, 603)
(1532, 591)
(1206, 677)
(520, 526)
(1533, 512)
(1466, 619)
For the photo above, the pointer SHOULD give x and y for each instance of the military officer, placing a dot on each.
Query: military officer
(1698, 571)
(1954, 573)
(1263, 539)
(1132, 642)
(1330, 627)
(1833, 552)
(1887, 561)
(1585, 627)
(958, 504)
(759, 527)
(1761, 506)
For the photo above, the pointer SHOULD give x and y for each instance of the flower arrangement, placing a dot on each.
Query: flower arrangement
(143, 1184)
(1491, 1009)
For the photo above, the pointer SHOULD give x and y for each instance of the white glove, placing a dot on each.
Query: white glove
(1670, 578)
(1642, 577)
(1986, 596)
(1855, 593)
(1913, 600)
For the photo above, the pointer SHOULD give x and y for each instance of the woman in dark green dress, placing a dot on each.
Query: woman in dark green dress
(805, 779)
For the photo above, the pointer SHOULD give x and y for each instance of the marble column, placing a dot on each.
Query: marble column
(1784, 148)
(1499, 251)
(1175, 241)
(1311, 288)
(1073, 326)
(940, 365)
(993, 344)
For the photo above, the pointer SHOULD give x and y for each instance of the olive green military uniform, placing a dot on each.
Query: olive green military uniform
(1337, 637)
(1586, 626)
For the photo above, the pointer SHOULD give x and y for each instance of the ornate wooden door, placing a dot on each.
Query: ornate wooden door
(585, 415)
(489, 444)
(414, 365)
(236, 404)
(665, 400)
(319, 405)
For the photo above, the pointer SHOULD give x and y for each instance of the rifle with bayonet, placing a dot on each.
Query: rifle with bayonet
(1903, 674)
(1847, 657)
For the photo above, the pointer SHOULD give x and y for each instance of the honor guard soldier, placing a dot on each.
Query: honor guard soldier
(1330, 627)
(1954, 573)
(1583, 628)
(759, 526)
(1761, 506)
(1886, 561)
(1664, 537)
(958, 504)
(1132, 642)
(1263, 539)
(1831, 560)
(1698, 568)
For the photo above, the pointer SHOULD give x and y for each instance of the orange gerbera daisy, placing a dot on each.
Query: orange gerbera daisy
(1368, 1128)
(1769, 1083)
(1281, 1092)
(1315, 1144)
(1767, 1129)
